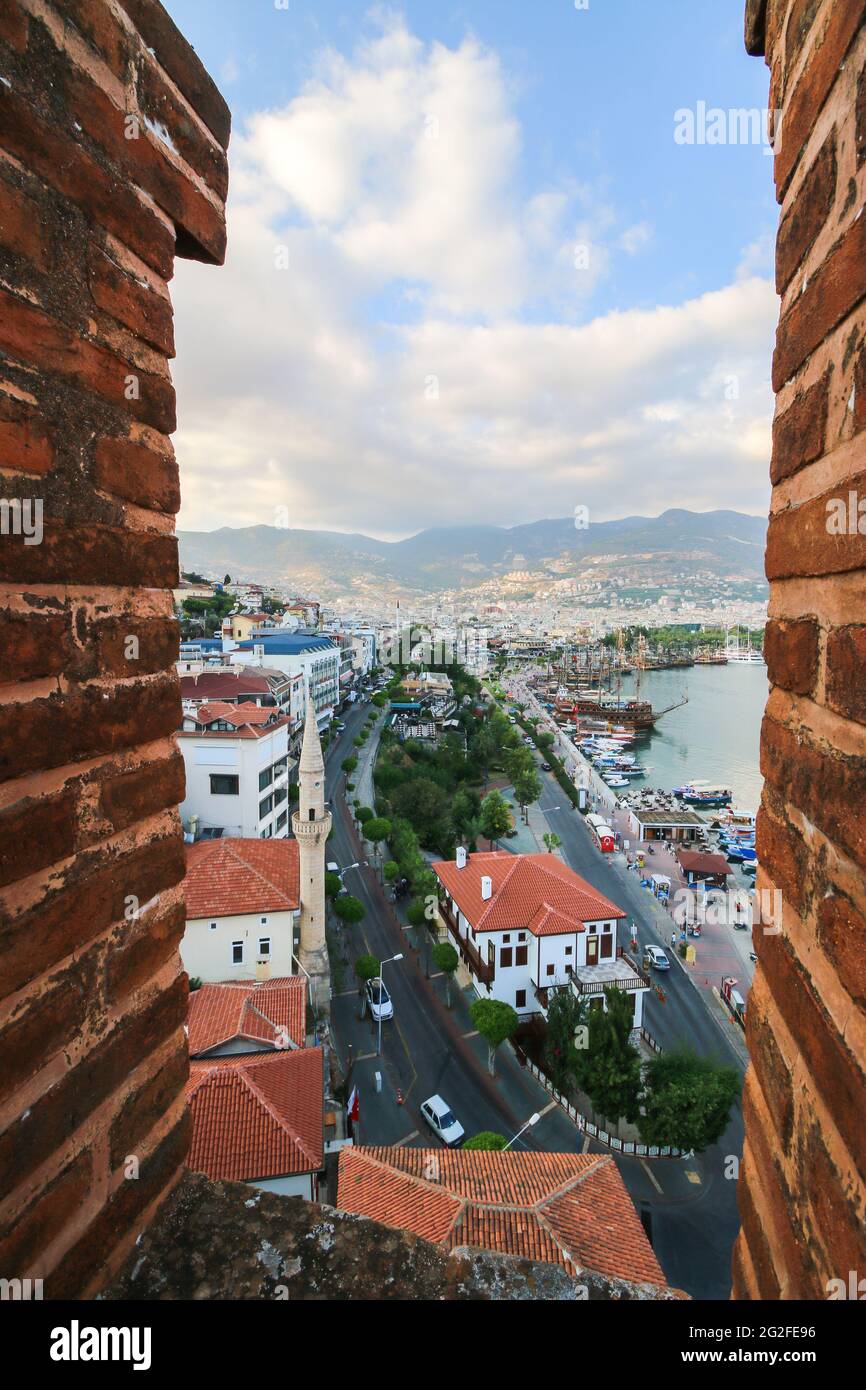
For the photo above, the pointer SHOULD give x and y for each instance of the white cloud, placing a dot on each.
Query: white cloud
(636, 237)
(392, 181)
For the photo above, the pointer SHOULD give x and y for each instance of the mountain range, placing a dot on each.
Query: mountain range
(639, 550)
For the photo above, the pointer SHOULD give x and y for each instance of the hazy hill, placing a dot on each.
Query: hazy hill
(722, 543)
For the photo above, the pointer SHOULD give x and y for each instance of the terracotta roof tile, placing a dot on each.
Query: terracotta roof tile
(227, 877)
(257, 1119)
(219, 1013)
(563, 1208)
(535, 891)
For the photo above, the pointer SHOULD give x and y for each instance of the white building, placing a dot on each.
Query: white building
(237, 770)
(242, 907)
(312, 656)
(527, 924)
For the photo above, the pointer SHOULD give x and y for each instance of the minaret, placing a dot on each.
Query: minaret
(311, 824)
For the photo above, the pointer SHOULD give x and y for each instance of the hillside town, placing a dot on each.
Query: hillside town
(422, 852)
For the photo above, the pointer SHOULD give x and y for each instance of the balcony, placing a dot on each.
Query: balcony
(468, 953)
(623, 972)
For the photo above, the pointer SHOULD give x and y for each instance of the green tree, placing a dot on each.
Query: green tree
(379, 700)
(495, 1021)
(466, 812)
(446, 959)
(416, 912)
(367, 968)
(527, 788)
(552, 841)
(333, 885)
(349, 909)
(364, 813)
(566, 1014)
(495, 817)
(687, 1100)
(349, 764)
(390, 870)
(377, 830)
(609, 1069)
(487, 1139)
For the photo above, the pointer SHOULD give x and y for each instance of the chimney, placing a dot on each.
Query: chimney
(461, 856)
(486, 886)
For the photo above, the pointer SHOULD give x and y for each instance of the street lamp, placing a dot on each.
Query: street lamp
(533, 1120)
(382, 964)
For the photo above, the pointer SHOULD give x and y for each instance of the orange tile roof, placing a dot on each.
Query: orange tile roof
(257, 1119)
(264, 1012)
(247, 720)
(227, 877)
(535, 891)
(563, 1208)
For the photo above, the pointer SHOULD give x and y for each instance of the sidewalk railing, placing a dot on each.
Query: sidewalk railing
(631, 1147)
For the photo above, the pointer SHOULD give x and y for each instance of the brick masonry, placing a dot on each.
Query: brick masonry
(112, 161)
(802, 1189)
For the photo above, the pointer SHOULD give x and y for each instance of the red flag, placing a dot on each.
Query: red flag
(353, 1107)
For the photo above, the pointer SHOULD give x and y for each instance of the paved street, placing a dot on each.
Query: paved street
(689, 1205)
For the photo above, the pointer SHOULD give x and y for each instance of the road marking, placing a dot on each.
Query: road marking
(366, 1056)
(693, 1177)
(407, 1139)
(652, 1177)
(470, 1035)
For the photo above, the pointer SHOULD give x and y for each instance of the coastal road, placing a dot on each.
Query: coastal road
(689, 1206)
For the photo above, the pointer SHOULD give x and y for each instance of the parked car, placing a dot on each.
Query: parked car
(655, 957)
(378, 1000)
(441, 1119)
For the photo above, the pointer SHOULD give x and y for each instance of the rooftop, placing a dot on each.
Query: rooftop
(562, 1208)
(698, 861)
(262, 1013)
(288, 643)
(257, 1119)
(535, 891)
(225, 878)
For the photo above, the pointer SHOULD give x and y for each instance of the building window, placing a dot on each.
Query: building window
(521, 936)
(237, 953)
(213, 926)
(281, 820)
(264, 945)
(266, 805)
(520, 955)
(222, 784)
(569, 950)
(264, 921)
(520, 999)
(506, 937)
(551, 970)
(280, 795)
(606, 947)
(264, 779)
(505, 956)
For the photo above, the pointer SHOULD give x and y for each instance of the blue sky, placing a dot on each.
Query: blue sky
(504, 273)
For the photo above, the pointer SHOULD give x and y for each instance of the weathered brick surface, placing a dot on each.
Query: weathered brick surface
(799, 433)
(802, 1193)
(807, 214)
(791, 653)
(92, 998)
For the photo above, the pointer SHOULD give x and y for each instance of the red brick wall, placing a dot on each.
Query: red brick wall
(803, 1186)
(112, 161)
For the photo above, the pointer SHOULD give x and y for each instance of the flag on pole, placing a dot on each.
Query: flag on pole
(353, 1107)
